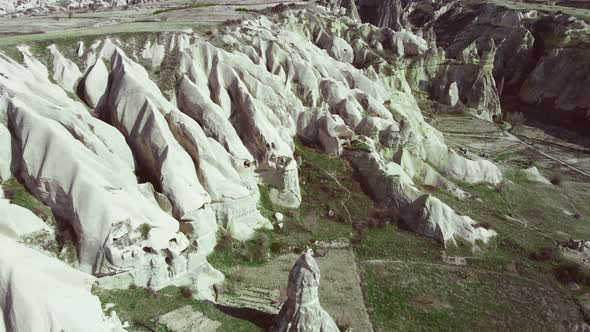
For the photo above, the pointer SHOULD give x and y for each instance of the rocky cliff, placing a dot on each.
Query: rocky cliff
(480, 52)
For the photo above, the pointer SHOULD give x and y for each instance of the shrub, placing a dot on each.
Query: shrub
(225, 241)
(256, 254)
(556, 179)
(187, 291)
(545, 254)
(261, 239)
(515, 118)
(144, 229)
(278, 247)
(570, 272)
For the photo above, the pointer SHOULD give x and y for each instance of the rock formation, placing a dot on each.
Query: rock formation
(161, 164)
(302, 311)
(39, 293)
(490, 50)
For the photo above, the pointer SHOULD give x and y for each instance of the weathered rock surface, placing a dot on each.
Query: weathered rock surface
(302, 311)
(39, 293)
(65, 71)
(16, 221)
(5, 153)
(83, 169)
(532, 174)
(146, 181)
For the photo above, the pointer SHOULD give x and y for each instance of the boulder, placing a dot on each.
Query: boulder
(532, 174)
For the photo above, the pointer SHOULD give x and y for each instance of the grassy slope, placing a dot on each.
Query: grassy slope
(501, 288)
(142, 308)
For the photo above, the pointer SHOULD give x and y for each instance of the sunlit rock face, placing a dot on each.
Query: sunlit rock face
(41, 293)
(146, 171)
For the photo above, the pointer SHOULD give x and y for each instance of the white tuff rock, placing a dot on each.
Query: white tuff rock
(302, 312)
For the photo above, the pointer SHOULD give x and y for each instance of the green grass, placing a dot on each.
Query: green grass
(246, 10)
(194, 5)
(501, 285)
(392, 309)
(393, 243)
(419, 297)
(18, 195)
(327, 184)
(230, 253)
(142, 308)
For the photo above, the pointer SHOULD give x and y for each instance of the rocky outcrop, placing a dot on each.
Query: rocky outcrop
(302, 311)
(5, 153)
(65, 71)
(477, 52)
(39, 293)
(532, 174)
(95, 83)
(84, 171)
(29, 7)
(560, 74)
(386, 13)
(390, 185)
(229, 126)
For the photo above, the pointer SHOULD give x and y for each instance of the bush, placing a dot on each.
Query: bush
(187, 291)
(260, 239)
(256, 254)
(278, 247)
(225, 241)
(556, 179)
(515, 118)
(545, 254)
(570, 272)
(144, 229)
